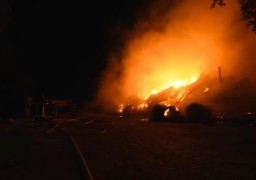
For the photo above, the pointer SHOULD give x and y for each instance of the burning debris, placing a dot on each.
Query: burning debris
(170, 61)
(206, 100)
(166, 113)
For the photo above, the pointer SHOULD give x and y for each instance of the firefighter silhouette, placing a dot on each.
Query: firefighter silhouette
(49, 110)
(39, 110)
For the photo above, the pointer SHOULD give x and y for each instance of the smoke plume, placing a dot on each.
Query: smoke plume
(175, 42)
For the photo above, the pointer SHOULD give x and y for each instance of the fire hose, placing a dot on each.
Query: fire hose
(84, 164)
(82, 159)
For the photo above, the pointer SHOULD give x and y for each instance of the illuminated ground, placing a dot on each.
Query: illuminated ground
(133, 148)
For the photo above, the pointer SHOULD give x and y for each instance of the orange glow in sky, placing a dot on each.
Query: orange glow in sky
(176, 47)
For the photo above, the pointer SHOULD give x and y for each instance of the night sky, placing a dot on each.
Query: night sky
(59, 48)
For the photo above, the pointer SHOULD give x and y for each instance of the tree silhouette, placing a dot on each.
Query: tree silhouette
(248, 9)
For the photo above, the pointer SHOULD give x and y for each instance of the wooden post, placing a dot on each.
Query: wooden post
(220, 75)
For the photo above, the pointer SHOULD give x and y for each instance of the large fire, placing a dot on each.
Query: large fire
(174, 93)
(167, 52)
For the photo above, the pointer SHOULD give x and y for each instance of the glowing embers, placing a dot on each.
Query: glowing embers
(172, 87)
(120, 108)
(131, 110)
(171, 111)
(166, 113)
(168, 96)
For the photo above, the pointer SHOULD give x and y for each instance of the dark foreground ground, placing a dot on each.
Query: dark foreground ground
(113, 147)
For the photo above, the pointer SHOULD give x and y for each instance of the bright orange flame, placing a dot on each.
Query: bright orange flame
(175, 48)
(178, 95)
(175, 84)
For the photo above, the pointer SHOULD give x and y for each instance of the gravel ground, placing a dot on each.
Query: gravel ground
(134, 149)
(127, 148)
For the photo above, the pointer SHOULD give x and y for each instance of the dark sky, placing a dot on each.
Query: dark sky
(60, 47)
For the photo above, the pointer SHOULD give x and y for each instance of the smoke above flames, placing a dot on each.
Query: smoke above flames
(178, 42)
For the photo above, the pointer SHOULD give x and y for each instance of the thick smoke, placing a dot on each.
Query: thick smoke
(179, 41)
